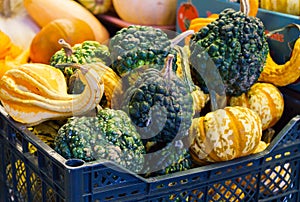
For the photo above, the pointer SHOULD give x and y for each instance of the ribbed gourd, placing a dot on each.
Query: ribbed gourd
(265, 99)
(236, 44)
(225, 134)
(109, 135)
(33, 93)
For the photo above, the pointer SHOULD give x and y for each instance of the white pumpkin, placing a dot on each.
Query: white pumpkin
(147, 12)
(16, 23)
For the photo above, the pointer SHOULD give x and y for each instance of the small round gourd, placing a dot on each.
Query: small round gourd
(224, 134)
(265, 99)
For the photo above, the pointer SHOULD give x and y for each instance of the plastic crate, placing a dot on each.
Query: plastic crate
(272, 175)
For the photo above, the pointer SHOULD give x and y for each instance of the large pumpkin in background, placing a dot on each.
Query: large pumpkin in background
(265, 99)
(147, 12)
(225, 134)
(45, 43)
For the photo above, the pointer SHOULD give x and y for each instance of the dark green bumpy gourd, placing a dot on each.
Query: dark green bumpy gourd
(109, 135)
(236, 44)
(138, 45)
(160, 105)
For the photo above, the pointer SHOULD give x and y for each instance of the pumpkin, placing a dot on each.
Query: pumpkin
(32, 93)
(147, 12)
(224, 134)
(45, 43)
(14, 16)
(283, 6)
(265, 99)
(43, 12)
(282, 74)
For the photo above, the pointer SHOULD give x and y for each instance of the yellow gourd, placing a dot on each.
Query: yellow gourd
(225, 134)
(265, 99)
(283, 6)
(10, 54)
(33, 93)
(284, 74)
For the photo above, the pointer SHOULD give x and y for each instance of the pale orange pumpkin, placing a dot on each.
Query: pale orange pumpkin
(45, 43)
(146, 12)
(225, 134)
(265, 99)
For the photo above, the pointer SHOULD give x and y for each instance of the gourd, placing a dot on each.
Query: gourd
(33, 93)
(200, 99)
(148, 45)
(148, 12)
(265, 99)
(8, 53)
(45, 43)
(97, 7)
(250, 7)
(43, 12)
(7, 47)
(159, 103)
(14, 16)
(224, 134)
(283, 6)
(161, 107)
(108, 135)
(282, 74)
(138, 45)
(228, 43)
(87, 52)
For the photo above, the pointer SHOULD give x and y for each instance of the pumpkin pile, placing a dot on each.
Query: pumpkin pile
(140, 99)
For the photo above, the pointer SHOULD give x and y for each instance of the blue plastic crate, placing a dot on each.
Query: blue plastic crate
(272, 175)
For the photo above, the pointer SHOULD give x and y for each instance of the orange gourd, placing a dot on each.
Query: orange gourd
(10, 54)
(265, 99)
(45, 11)
(45, 43)
(225, 134)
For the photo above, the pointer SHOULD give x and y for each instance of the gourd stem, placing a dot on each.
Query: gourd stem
(167, 70)
(5, 8)
(181, 36)
(67, 47)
